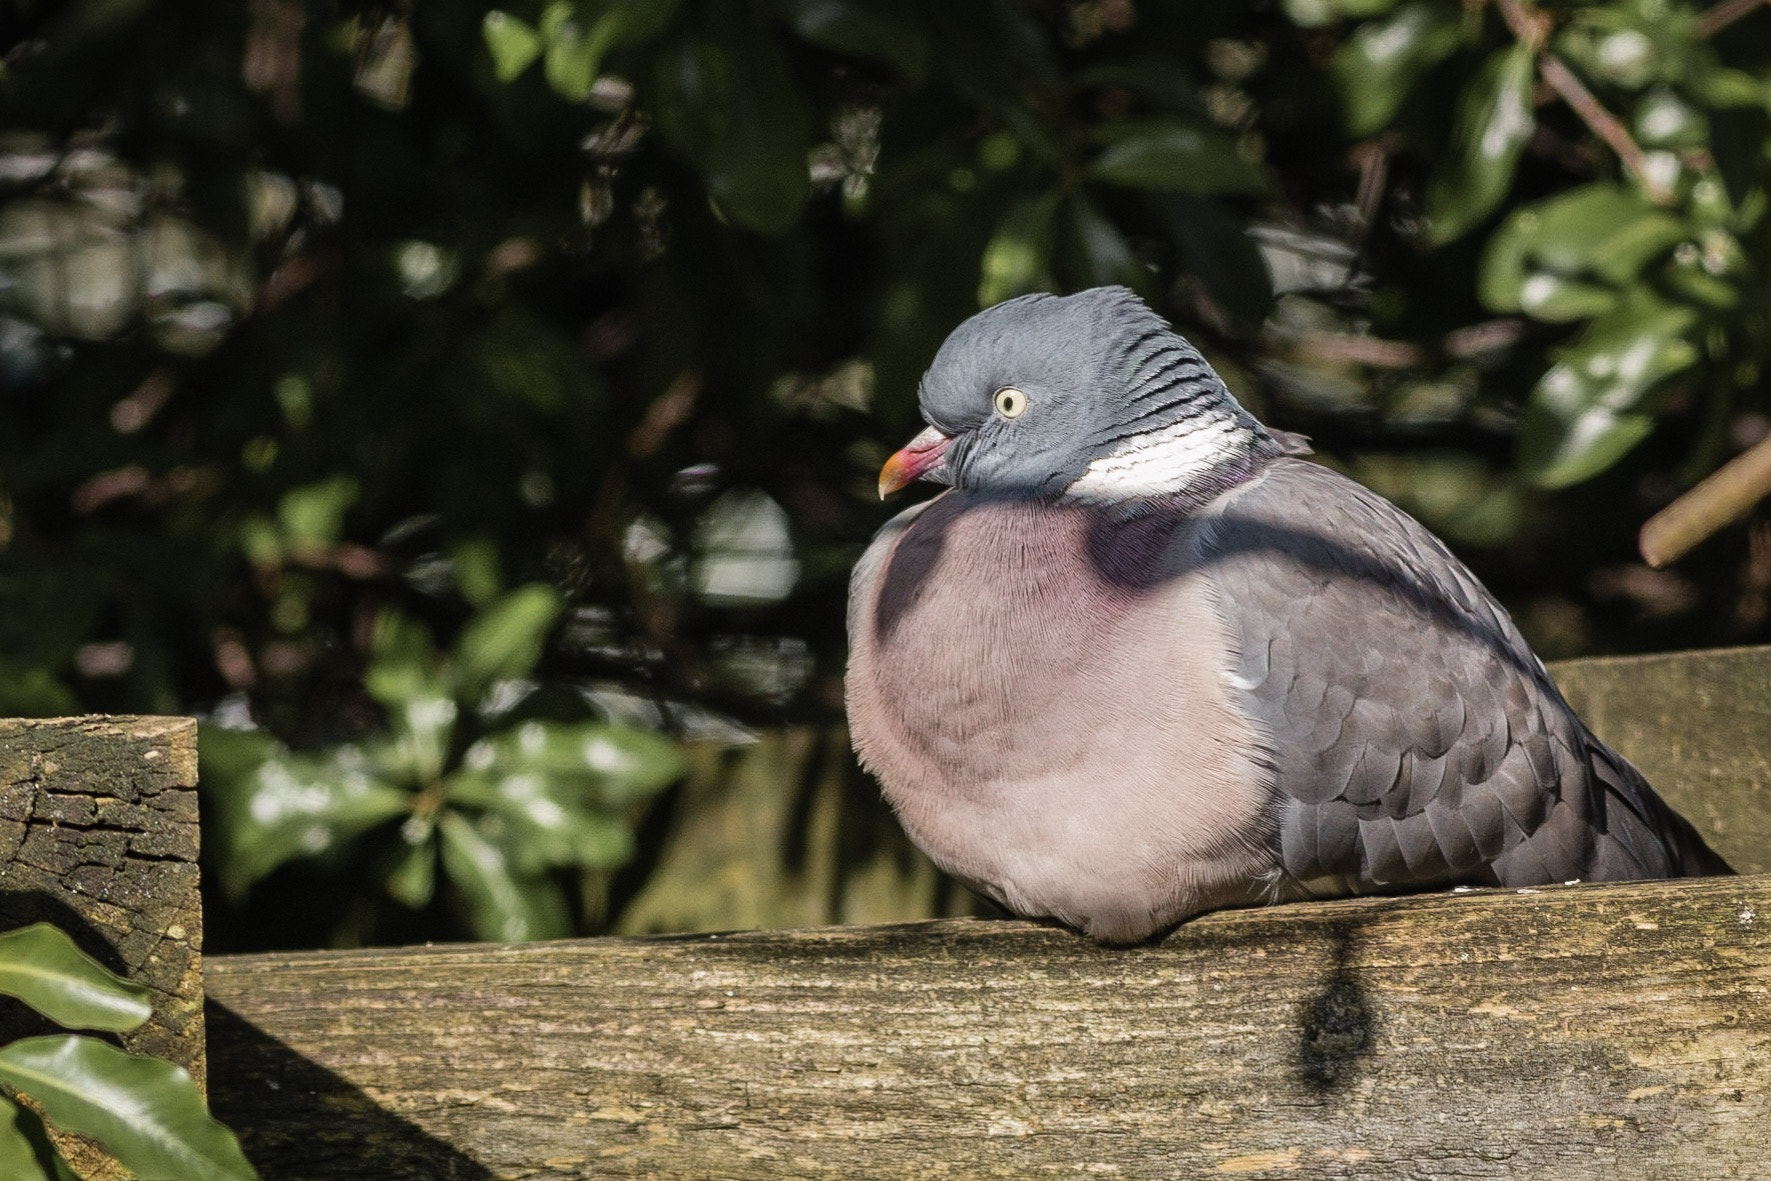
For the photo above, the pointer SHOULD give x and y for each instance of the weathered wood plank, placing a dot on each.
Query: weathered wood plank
(98, 834)
(1698, 724)
(1619, 1031)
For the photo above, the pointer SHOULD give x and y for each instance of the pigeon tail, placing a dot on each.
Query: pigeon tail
(1641, 830)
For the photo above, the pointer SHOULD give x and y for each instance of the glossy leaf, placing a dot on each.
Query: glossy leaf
(504, 640)
(42, 967)
(1544, 258)
(26, 1153)
(727, 101)
(1178, 158)
(1017, 258)
(1494, 122)
(1592, 405)
(503, 906)
(1379, 64)
(542, 821)
(298, 806)
(622, 763)
(514, 43)
(147, 1113)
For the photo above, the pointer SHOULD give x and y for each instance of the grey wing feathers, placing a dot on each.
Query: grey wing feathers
(1417, 739)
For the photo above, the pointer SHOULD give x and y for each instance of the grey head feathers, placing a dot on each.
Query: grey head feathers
(1117, 405)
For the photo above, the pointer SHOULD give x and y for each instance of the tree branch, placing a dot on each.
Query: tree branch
(1714, 19)
(1602, 123)
(1532, 28)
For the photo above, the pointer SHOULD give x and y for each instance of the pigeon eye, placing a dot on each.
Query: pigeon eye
(1010, 402)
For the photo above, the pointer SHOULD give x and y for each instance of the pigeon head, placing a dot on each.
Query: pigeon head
(1089, 396)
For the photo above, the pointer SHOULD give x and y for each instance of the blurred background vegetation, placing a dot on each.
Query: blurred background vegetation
(472, 414)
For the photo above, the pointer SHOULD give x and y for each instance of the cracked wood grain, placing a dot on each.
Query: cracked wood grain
(1619, 1031)
(98, 834)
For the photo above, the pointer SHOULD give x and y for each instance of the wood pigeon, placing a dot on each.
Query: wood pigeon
(1142, 661)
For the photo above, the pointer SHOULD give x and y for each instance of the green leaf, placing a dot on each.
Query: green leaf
(1017, 259)
(1664, 120)
(621, 763)
(26, 1153)
(418, 746)
(514, 43)
(1494, 122)
(296, 806)
(1592, 405)
(504, 640)
(1378, 66)
(413, 879)
(1175, 157)
(879, 31)
(42, 967)
(502, 905)
(1543, 257)
(312, 516)
(727, 101)
(476, 571)
(404, 664)
(574, 53)
(147, 1113)
(541, 822)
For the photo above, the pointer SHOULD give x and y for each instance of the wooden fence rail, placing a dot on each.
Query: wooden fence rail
(1571, 1033)
(1618, 1031)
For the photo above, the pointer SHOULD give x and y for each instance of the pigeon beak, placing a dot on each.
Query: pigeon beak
(917, 457)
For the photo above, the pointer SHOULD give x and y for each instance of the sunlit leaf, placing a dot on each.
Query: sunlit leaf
(42, 967)
(413, 879)
(541, 822)
(1592, 406)
(25, 1151)
(502, 905)
(621, 763)
(574, 51)
(291, 806)
(312, 516)
(1544, 258)
(1494, 122)
(147, 1113)
(514, 43)
(1018, 257)
(504, 640)
(420, 729)
(1176, 157)
(1379, 64)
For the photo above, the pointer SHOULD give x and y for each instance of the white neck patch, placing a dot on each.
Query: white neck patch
(1167, 461)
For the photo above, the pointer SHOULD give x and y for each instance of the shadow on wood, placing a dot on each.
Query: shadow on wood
(298, 1121)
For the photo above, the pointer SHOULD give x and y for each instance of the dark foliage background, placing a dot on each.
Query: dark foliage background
(446, 402)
